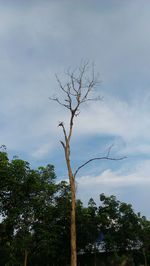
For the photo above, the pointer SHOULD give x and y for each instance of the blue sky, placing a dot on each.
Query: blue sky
(41, 38)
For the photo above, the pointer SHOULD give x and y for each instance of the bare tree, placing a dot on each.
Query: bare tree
(77, 91)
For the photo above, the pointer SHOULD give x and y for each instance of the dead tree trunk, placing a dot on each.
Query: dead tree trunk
(73, 209)
(76, 92)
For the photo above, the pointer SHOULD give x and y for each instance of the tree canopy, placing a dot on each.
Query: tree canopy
(35, 219)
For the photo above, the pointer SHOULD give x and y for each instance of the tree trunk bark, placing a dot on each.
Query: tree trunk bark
(73, 211)
(25, 257)
(145, 259)
(73, 226)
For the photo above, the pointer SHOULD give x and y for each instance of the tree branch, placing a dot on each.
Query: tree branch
(98, 158)
(60, 84)
(64, 130)
(73, 113)
(56, 99)
(62, 143)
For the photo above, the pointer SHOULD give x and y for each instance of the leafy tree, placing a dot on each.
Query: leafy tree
(145, 240)
(51, 232)
(119, 224)
(35, 220)
(87, 226)
(25, 196)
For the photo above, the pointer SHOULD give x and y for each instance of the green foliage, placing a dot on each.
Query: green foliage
(119, 223)
(27, 203)
(87, 225)
(35, 220)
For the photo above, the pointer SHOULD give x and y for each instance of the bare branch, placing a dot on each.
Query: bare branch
(61, 124)
(98, 98)
(82, 70)
(98, 158)
(91, 84)
(69, 96)
(73, 84)
(56, 99)
(60, 84)
(71, 125)
(109, 150)
(77, 89)
(62, 143)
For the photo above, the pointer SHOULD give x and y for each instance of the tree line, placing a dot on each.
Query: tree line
(35, 220)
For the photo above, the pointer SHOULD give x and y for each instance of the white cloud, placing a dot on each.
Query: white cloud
(43, 150)
(115, 117)
(138, 176)
(131, 186)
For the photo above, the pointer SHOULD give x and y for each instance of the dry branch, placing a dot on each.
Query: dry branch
(98, 158)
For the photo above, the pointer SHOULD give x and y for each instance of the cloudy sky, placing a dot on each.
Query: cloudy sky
(39, 38)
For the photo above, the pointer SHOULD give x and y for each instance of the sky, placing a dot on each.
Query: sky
(41, 38)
